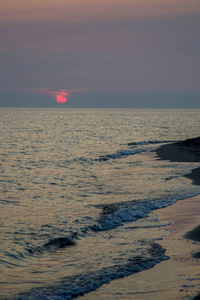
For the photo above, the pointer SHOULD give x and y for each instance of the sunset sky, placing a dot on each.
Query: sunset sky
(108, 53)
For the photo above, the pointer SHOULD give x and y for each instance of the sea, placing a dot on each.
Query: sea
(77, 187)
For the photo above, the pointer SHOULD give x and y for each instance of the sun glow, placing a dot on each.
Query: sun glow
(61, 99)
(61, 96)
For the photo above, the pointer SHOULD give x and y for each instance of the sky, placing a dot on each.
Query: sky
(104, 54)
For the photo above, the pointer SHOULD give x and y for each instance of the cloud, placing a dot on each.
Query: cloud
(55, 94)
(64, 93)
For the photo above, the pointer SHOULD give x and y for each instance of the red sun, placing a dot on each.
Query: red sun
(61, 99)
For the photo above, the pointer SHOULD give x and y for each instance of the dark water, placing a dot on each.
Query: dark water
(70, 181)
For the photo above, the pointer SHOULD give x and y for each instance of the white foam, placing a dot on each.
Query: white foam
(131, 212)
(122, 153)
(81, 284)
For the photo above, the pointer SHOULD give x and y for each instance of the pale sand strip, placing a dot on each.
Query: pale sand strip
(181, 274)
(176, 278)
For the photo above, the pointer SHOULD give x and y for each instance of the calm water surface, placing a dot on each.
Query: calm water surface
(70, 181)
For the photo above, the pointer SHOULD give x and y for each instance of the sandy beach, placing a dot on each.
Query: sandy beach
(176, 278)
(179, 276)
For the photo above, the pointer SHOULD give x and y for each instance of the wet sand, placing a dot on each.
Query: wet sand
(178, 277)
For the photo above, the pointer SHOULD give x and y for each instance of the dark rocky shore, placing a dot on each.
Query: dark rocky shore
(183, 151)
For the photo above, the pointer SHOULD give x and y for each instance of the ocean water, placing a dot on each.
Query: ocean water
(71, 181)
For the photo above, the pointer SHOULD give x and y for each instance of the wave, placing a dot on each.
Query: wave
(52, 244)
(147, 143)
(116, 215)
(20, 258)
(121, 153)
(111, 216)
(58, 243)
(137, 149)
(74, 286)
(128, 213)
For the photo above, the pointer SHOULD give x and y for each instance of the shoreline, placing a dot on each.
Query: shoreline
(178, 277)
(185, 151)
